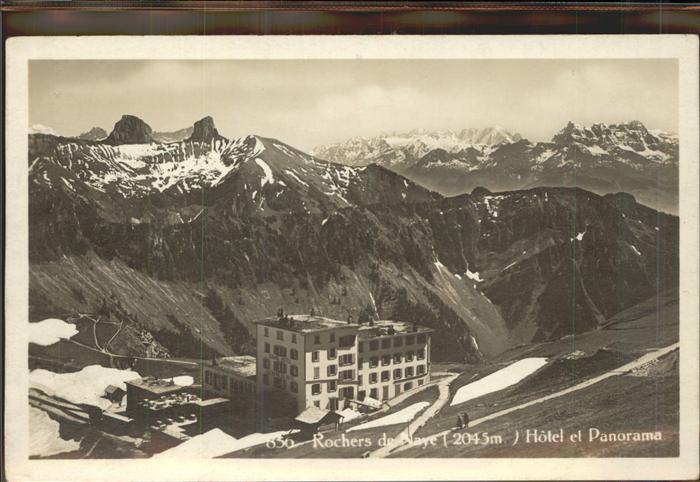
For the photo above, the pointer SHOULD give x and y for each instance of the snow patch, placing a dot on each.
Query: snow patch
(84, 386)
(499, 380)
(402, 416)
(50, 331)
(473, 275)
(45, 437)
(634, 248)
(268, 172)
(293, 174)
(183, 380)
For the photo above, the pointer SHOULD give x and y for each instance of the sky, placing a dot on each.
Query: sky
(307, 103)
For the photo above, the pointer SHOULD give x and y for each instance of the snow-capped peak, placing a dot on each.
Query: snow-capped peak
(42, 129)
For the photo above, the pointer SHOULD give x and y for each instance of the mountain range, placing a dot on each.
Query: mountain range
(601, 158)
(193, 240)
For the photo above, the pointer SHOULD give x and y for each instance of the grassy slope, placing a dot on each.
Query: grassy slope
(606, 406)
(651, 324)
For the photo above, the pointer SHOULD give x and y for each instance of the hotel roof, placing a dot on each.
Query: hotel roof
(243, 365)
(305, 323)
(391, 328)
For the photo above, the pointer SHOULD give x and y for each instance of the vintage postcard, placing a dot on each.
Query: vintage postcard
(403, 257)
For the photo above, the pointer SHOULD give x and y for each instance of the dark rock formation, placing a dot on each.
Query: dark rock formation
(130, 130)
(204, 130)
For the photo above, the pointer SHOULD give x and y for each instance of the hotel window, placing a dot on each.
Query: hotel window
(361, 347)
(421, 338)
(293, 370)
(386, 343)
(374, 345)
(347, 374)
(420, 354)
(346, 341)
(346, 360)
(266, 363)
(397, 358)
(280, 335)
(397, 374)
(317, 373)
(266, 379)
(293, 354)
(281, 367)
(331, 370)
(278, 383)
(266, 331)
(332, 337)
(373, 362)
(332, 404)
(359, 379)
(317, 403)
(317, 339)
(373, 378)
(207, 377)
(409, 356)
(386, 360)
(294, 337)
(360, 362)
(294, 387)
(279, 350)
(385, 376)
(332, 386)
(398, 341)
(315, 389)
(331, 353)
(267, 348)
(409, 372)
(373, 393)
(314, 356)
(421, 369)
(410, 340)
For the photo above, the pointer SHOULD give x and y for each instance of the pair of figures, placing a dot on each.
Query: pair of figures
(463, 420)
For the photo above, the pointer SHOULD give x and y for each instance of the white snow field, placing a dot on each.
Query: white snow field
(402, 416)
(50, 331)
(499, 380)
(85, 386)
(45, 439)
(215, 443)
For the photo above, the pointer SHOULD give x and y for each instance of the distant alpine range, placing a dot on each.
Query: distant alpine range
(602, 158)
(157, 225)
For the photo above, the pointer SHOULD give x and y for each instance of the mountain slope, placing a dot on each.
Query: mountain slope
(261, 225)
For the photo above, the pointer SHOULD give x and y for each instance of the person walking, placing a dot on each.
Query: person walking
(460, 421)
(465, 419)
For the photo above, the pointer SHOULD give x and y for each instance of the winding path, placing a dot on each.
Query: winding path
(407, 433)
(643, 360)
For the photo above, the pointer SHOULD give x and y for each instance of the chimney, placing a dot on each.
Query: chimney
(349, 319)
(371, 320)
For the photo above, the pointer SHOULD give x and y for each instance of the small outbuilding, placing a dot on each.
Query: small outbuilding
(114, 394)
(314, 419)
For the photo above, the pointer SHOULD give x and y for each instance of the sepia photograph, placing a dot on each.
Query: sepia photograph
(356, 258)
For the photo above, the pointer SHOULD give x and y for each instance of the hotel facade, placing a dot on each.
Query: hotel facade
(327, 363)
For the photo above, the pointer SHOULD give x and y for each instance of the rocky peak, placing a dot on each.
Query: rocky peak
(94, 134)
(204, 130)
(130, 130)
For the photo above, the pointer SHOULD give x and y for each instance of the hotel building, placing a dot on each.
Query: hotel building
(327, 363)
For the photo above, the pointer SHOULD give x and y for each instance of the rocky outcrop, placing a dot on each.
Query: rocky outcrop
(94, 134)
(204, 131)
(130, 130)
